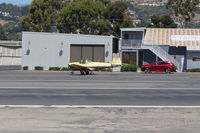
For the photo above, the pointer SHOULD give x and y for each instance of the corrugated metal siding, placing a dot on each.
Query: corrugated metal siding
(161, 36)
(91, 52)
(99, 55)
(75, 53)
(10, 55)
(87, 52)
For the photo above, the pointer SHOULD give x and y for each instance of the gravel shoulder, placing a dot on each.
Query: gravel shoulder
(99, 120)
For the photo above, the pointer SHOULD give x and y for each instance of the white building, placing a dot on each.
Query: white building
(145, 45)
(138, 46)
(57, 50)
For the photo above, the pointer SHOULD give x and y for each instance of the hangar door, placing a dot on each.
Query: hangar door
(91, 52)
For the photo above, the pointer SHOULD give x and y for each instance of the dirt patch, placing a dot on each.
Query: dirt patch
(99, 120)
(3, 22)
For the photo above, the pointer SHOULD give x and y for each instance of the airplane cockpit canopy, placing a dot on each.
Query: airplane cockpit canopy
(85, 61)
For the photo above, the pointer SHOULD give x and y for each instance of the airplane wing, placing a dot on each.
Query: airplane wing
(90, 67)
(79, 67)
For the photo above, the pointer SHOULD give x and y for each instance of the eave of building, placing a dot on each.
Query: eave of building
(133, 29)
(11, 43)
(68, 34)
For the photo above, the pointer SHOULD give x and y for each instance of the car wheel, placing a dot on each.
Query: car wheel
(167, 70)
(147, 70)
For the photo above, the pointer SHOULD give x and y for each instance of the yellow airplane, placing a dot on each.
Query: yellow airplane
(87, 67)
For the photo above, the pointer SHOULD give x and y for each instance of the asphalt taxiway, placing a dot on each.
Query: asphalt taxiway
(103, 88)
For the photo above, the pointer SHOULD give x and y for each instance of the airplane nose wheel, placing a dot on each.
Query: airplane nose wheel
(82, 72)
(72, 73)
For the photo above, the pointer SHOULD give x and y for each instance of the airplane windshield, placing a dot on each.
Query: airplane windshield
(85, 61)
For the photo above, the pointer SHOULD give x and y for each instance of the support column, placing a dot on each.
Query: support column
(137, 58)
(156, 58)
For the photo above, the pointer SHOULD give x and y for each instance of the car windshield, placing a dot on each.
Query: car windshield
(163, 63)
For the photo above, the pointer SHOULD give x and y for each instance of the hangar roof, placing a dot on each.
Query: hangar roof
(173, 37)
(68, 34)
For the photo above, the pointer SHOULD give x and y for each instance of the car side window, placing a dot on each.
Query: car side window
(162, 63)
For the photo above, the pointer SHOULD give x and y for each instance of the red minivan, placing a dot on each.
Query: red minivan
(159, 66)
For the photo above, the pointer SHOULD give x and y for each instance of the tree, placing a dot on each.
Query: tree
(42, 15)
(155, 21)
(163, 21)
(2, 33)
(80, 16)
(116, 13)
(184, 10)
(102, 27)
(93, 17)
(167, 22)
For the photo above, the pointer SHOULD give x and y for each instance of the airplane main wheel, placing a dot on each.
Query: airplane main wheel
(72, 73)
(82, 72)
(87, 73)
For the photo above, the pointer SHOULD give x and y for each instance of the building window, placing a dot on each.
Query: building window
(126, 36)
(196, 59)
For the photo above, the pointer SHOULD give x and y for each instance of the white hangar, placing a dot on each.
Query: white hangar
(58, 49)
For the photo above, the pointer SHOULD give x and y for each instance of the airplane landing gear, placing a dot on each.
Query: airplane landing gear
(72, 73)
(82, 72)
(91, 73)
(86, 72)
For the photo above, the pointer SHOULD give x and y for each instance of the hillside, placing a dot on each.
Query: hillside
(142, 10)
(145, 2)
(3, 22)
(10, 20)
(12, 12)
(148, 1)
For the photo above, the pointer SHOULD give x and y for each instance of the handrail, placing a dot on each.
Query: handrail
(131, 43)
